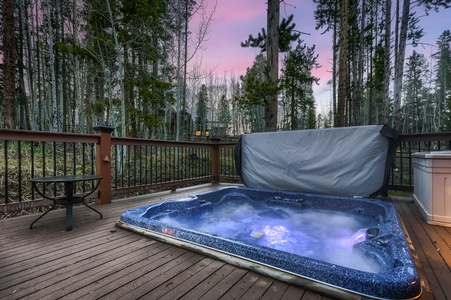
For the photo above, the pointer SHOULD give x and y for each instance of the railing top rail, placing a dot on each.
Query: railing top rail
(44, 136)
(425, 137)
(151, 142)
(228, 144)
(161, 143)
(28, 135)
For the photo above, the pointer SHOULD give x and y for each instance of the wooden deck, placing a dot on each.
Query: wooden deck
(98, 260)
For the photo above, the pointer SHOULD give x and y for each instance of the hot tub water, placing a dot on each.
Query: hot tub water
(324, 235)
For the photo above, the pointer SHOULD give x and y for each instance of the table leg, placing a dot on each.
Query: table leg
(53, 206)
(84, 197)
(69, 186)
(44, 197)
(83, 201)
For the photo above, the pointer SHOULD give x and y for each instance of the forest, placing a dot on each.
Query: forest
(67, 65)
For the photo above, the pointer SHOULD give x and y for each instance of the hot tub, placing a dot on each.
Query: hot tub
(341, 246)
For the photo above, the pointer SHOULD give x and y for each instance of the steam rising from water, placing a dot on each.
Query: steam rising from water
(324, 235)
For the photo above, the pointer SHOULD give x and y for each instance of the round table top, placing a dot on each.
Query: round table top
(65, 178)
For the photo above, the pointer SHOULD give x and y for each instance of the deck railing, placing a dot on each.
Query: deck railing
(401, 175)
(131, 165)
(139, 165)
(128, 165)
(28, 154)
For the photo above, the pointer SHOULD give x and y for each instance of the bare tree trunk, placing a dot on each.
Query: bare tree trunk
(354, 97)
(22, 99)
(29, 63)
(334, 74)
(343, 65)
(387, 60)
(185, 59)
(374, 9)
(167, 108)
(178, 75)
(89, 96)
(9, 81)
(62, 74)
(120, 70)
(359, 84)
(293, 108)
(375, 92)
(76, 93)
(129, 78)
(55, 110)
(41, 119)
(271, 104)
(399, 64)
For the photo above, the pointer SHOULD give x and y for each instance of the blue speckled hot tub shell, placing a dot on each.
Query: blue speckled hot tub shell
(397, 280)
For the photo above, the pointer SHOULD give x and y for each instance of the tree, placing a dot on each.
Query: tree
(343, 65)
(297, 81)
(287, 34)
(237, 111)
(201, 110)
(387, 48)
(271, 104)
(120, 70)
(415, 104)
(224, 116)
(376, 86)
(408, 30)
(142, 25)
(278, 39)
(356, 37)
(327, 16)
(187, 47)
(23, 121)
(9, 74)
(443, 76)
(257, 91)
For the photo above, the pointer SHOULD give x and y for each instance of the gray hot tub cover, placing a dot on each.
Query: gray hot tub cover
(346, 161)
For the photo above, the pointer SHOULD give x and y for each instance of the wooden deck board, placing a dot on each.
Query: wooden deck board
(225, 284)
(97, 260)
(257, 290)
(148, 257)
(275, 291)
(424, 237)
(410, 223)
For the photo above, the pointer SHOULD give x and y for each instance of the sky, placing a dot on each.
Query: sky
(234, 20)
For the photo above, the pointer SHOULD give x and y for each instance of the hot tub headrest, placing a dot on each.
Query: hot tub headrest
(346, 161)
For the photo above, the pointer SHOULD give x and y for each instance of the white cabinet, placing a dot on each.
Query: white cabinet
(432, 186)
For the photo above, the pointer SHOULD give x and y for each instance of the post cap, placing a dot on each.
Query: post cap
(103, 128)
(215, 138)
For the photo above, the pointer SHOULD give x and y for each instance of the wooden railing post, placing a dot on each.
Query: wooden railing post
(215, 161)
(103, 162)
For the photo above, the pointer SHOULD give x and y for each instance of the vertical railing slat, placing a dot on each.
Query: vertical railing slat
(19, 168)
(6, 172)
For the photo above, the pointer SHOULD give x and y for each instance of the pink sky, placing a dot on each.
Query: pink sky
(234, 20)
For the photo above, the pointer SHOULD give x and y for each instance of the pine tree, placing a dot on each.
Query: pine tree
(224, 112)
(201, 110)
(443, 76)
(297, 81)
(277, 39)
(286, 36)
(256, 90)
(415, 104)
